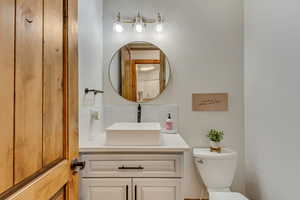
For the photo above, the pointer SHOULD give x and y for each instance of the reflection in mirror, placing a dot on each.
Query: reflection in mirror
(139, 71)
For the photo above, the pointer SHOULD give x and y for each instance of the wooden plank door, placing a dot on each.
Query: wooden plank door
(128, 75)
(6, 93)
(38, 99)
(162, 72)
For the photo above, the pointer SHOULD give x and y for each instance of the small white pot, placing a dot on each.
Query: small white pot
(215, 144)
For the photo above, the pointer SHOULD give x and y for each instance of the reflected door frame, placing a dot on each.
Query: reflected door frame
(134, 73)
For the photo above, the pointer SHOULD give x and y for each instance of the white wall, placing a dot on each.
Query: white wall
(203, 41)
(115, 71)
(90, 64)
(272, 96)
(149, 54)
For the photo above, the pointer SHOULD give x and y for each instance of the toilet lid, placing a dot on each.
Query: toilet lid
(226, 196)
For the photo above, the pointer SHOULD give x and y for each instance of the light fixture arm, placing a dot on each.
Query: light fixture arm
(119, 17)
(132, 20)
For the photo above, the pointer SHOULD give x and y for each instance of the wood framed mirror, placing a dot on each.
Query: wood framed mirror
(139, 71)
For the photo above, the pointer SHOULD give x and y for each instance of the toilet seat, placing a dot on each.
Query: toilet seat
(226, 196)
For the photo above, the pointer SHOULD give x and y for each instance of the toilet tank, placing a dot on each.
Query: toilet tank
(216, 169)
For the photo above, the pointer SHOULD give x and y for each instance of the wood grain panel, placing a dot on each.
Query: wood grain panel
(133, 81)
(7, 13)
(45, 186)
(162, 72)
(28, 88)
(126, 73)
(60, 195)
(71, 66)
(53, 81)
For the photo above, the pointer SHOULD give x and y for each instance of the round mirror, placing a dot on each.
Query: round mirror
(139, 71)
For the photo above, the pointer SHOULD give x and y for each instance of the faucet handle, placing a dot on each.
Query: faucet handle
(200, 161)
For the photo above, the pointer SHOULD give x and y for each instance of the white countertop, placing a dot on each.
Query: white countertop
(169, 143)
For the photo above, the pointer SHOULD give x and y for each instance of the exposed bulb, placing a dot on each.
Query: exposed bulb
(139, 27)
(139, 24)
(159, 27)
(118, 27)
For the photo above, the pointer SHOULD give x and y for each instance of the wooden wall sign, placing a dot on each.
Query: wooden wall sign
(210, 102)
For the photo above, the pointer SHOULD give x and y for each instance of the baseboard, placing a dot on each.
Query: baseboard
(197, 199)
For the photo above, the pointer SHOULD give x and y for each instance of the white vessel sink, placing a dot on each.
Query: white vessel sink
(134, 134)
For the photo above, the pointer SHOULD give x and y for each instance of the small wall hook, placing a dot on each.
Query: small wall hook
(29, 20)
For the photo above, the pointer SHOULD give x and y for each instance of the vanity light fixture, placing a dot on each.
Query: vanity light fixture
(139, 23)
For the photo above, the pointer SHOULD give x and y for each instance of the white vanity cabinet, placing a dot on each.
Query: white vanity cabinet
(157, 189)
(106, 189)
(130, 189)
(132, 176)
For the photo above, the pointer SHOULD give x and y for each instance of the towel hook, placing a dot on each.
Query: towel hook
(87, 90)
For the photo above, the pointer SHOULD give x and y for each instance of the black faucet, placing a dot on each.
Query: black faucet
(139, 113)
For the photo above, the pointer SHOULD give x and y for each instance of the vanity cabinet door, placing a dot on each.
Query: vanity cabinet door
(158, 189)
(106, 189)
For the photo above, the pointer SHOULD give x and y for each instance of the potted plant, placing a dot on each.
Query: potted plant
(215, 137)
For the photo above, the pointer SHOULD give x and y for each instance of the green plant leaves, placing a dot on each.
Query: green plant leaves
(215, 135)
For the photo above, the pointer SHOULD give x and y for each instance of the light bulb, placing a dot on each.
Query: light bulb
(139, 23)
(118, 27)
(139, 27)
(159, 27)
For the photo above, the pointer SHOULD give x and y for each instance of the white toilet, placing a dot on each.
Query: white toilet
(217, 171)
